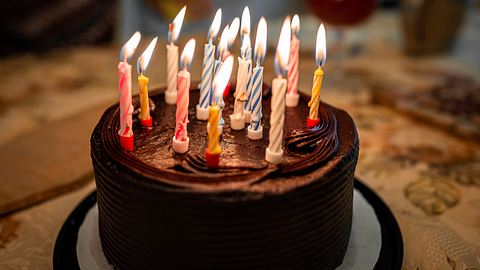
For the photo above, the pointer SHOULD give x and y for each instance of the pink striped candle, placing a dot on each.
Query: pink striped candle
(126, 107)
(125, 131)
(180, 139)
(182, 105)
(292, 95)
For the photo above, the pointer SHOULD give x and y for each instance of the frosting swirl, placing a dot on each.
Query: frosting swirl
(153, 157)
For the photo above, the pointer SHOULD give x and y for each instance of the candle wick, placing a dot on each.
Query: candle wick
(170, 29)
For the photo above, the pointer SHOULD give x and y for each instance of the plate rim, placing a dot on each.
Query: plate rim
(390, 257)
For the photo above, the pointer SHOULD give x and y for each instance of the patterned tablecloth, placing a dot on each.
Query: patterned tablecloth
(429, 177)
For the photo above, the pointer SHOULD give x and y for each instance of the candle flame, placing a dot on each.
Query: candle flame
(177, 24)
(245, 29)
(321, 47)
(222, 45)
(130, 46)
(233, 31)
(283, 48)
(187, 54)
(215, 27)
(223, 76)
(144, 59)
(295, 24)
(261, 41)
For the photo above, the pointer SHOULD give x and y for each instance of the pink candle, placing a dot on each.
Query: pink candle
(126, 107)
(182, 105)
(292, 95)
(125, 88)
(293, 66)
(180, 139)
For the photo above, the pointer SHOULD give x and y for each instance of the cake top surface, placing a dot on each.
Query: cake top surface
(242, 160)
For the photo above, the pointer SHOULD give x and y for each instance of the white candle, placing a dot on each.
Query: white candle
(274, 152)
(255, 130)
(181, 140)
(125, 89)
(172, 57)
(236, 119)
(292, 95)
(207, 71)
(247, 51)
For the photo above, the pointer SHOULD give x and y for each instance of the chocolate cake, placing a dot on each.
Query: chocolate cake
(161, 210)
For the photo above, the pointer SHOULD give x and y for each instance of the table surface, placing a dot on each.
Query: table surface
(428, 177)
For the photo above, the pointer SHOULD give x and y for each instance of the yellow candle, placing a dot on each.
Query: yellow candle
(213, 135)
(143, 90)
(315, 99)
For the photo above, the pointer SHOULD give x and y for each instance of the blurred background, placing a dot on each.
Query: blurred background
(406, 70)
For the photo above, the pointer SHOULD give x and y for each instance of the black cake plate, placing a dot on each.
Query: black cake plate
(390, 257)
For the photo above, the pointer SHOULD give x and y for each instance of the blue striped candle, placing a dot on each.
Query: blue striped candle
(256, 98)
(219, 101)
(207, 72)
(248, 104)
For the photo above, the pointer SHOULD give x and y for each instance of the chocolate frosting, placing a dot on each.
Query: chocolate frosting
(153, 156)
(160, 209)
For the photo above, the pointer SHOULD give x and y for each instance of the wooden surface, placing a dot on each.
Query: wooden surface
(47, 162)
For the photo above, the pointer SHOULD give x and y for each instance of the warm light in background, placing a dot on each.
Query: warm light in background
(144, 59)
(321, 47)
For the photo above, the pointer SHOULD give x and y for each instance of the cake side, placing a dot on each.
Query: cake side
(300, 219)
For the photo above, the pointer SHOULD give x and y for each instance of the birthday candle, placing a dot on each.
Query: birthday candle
(181, 140)
(255, 130)
(172, 57)
(221, 51)
(320, 58)
(142, 65)
(292, 95)
(247, 52)
(125, 89)
(236, 119)
(220, 81)
(274, 152)
(248, 104)
(207, 71)
(213, 135)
